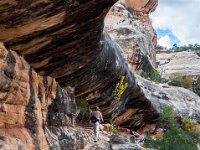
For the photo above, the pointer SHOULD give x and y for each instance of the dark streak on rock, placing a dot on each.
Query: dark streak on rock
(30, 115)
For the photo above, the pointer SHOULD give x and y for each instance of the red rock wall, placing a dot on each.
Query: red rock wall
(25, 101)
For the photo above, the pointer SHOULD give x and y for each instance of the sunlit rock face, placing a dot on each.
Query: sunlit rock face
(186, 63)
(183, 101)
(135, 35)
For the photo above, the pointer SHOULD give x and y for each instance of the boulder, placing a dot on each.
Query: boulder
(183, 101)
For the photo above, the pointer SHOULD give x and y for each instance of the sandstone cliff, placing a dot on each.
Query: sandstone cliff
(65, 40)
(51, 46)
(186, 63)
(29, 103)
(129, 25)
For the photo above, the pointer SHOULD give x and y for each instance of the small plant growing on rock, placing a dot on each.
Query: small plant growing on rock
(113, 129)
(153, 75)
(83, 109)
(167, 117)
(181, 81)
(191, 125)
(175, 138)
(120, 87)
(143, 74)
(196, 86)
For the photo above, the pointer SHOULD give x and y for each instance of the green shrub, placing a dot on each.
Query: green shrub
(181, 81)
(84, 108)
(143, 74)
(196, 86)
(174, 139)
(153, 75)
(187, 82)
(191, 125)
(113, 130)
(132, 139)
(176, 80)
(167, 117)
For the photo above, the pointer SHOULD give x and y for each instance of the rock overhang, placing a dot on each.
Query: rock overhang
(65, 40)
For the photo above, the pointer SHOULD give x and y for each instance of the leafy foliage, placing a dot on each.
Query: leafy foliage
(153, 75)
(191, 125)
(143, 74)
(113, 130)
(196, 86)
(186, 82)
(174, 139)
(84, 107)
(168, 117)
(181, 81)
(120, 87)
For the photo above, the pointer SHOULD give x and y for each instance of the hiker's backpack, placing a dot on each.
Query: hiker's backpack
(94, 119)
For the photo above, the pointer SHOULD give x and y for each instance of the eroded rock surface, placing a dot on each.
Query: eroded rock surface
(65, 40)
(186, 63)
(29, 103)
(64, 45)
(135, 36)
(184, 102)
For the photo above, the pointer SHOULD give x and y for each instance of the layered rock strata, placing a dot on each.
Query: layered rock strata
(29, 104)
(186, 63)
(65, 40)
(63, 44)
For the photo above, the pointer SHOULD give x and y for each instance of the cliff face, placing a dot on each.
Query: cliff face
(29, 103)
(129, 25)
(53, 45)
(65, 40)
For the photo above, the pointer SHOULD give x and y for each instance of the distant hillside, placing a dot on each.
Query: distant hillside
(185, 63)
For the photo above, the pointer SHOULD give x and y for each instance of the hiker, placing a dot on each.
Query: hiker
(96, 120)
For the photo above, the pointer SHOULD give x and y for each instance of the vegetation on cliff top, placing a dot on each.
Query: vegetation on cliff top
(175, 48)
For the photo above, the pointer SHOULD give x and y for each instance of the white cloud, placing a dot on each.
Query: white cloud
(165, 41)
(181, 17)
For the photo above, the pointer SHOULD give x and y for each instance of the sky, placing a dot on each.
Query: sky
(177, 22)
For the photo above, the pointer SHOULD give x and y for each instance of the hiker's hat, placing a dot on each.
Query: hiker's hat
(97, 108)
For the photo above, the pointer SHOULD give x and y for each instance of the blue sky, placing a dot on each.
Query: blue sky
(162, 33)
(177, 22)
